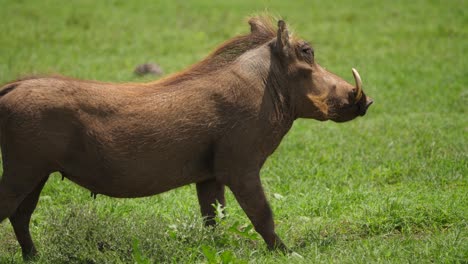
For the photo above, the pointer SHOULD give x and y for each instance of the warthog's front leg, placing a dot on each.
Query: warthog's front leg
(209, 192)
(249, 193)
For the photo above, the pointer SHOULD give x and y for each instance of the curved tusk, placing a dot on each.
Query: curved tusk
(357, 78)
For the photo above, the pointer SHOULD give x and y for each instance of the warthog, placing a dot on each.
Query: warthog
(213, 124)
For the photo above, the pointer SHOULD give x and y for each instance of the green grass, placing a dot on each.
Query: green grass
(389, 187)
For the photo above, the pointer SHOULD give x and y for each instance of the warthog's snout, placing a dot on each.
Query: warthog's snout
(350, 101)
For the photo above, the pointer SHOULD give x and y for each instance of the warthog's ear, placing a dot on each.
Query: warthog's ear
(283, 37)
(254, 25)
(259, 25)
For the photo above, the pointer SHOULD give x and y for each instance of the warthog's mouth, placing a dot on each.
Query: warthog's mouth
(362, 101)
(359, 106)
(362, 108)
(357, 79)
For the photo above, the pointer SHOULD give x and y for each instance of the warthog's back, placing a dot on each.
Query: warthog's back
(119, 140)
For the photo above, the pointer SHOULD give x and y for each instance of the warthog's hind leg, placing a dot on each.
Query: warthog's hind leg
(21, 218)
(9, 201)
(209, 192)
(19, 193)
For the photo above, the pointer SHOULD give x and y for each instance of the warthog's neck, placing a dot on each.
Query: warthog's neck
(253, 83)
(259, 69)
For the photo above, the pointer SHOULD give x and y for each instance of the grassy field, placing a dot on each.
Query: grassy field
(389, 187)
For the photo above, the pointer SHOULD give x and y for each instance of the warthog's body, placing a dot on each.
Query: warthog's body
(214, 124)
(117, 140)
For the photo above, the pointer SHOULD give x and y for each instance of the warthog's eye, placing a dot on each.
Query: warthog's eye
(307, 52)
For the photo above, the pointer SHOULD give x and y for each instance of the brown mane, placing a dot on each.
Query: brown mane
(262, 31)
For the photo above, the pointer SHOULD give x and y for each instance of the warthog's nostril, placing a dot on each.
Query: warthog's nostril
(362, 108)
(369, 102)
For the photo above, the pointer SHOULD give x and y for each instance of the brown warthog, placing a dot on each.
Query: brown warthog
(213, 124)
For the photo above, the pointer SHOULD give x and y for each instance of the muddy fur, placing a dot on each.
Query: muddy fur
(213, 124)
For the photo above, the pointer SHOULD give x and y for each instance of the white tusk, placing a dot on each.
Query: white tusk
(357, 78)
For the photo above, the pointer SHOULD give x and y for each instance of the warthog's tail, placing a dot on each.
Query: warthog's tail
(5, 209)
(4, 90)
(8, 88)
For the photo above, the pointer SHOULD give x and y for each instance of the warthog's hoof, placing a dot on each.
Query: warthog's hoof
(30, 255)
(280, 246)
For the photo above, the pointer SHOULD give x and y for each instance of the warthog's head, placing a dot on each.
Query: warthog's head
(315, 92)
